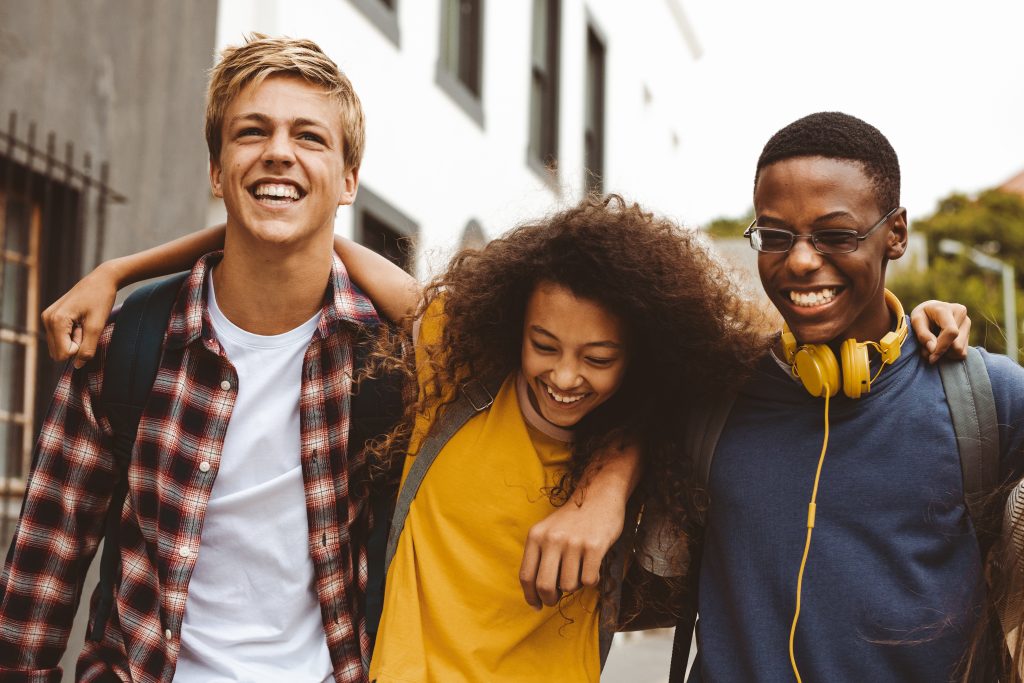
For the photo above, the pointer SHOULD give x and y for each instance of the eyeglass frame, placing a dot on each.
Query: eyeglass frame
(749, 233)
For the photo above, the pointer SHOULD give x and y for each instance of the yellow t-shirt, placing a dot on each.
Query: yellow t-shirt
(454, 610)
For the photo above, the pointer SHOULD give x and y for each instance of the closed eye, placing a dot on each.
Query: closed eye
(600, 362)
(543, 348)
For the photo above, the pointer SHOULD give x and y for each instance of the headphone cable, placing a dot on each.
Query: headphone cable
(811, 511)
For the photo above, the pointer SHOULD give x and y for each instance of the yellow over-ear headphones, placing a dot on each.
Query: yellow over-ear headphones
(817, 369)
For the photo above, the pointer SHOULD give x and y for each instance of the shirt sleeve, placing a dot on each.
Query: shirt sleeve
(1008, 387)
(62, 516)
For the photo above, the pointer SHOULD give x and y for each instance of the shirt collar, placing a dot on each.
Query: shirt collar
(344, 304)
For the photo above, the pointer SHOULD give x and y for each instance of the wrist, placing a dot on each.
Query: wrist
(115, 272)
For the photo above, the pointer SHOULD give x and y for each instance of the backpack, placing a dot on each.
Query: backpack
(972, 409)
(132, 360)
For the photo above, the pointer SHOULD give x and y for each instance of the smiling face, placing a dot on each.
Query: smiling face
(827, 297)
(573, 356)
(281, 171)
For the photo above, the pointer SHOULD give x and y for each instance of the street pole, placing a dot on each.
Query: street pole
(1005, 270)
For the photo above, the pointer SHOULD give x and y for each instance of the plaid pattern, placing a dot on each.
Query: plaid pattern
(182, 426)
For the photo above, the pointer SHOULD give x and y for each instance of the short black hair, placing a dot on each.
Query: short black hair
(834, 135)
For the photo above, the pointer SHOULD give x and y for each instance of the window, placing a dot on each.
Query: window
(385, 229)
(593, 126)
(460, 62)
(383, 14)
(473, 236)
(46, 205)
(543, 149)
(19, 339)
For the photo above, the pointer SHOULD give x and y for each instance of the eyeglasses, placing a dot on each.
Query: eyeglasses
(777, 241)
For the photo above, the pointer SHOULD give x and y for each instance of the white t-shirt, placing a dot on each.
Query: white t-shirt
(252, 613)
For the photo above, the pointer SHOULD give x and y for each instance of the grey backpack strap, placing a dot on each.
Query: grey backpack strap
(972, 407)
(474, 397)
(704, 426)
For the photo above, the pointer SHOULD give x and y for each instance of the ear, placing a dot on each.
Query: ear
(215, 185)
(351, 181)
(898, 235)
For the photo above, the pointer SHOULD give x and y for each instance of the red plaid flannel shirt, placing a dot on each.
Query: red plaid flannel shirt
(182, 426)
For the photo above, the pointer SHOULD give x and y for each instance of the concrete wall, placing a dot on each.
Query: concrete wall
(124, 81)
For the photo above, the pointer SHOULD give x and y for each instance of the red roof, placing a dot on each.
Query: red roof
(1014, 184)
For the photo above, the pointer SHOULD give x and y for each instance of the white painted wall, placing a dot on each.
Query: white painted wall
(427, 158)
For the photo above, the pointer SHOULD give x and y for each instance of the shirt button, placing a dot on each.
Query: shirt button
(168, 634)
(184, 551)
(204, 466)
(225, 385)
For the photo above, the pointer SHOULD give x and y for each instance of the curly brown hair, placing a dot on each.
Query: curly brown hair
(689, 334)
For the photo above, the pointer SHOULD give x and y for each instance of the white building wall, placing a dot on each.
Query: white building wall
(431, 161)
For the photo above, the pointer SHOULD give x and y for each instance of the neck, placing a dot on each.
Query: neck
(269, 289)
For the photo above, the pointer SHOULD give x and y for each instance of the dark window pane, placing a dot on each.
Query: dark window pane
(380, 237)
(15, 226)
(450, 35)
(12, 377)
(13, 314)
(11, 449)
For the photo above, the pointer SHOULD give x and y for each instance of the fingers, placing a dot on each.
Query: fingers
(590, 572)
(921, 326)
(528, 571)
(569, 573)
(958, 349)
(59, 334)
(952, 323)
(547, 576)
(88, 338)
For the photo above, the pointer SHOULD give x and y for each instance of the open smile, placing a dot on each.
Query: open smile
(276, 193)
(562, 401)
(809, 299)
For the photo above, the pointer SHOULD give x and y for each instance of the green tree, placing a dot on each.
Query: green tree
(993, 223)
(729, 227)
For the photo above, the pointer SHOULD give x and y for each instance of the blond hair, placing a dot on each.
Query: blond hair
(260, 57)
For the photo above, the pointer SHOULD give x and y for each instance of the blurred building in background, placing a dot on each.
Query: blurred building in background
(101, 154)
(483, 114)
(479, 115)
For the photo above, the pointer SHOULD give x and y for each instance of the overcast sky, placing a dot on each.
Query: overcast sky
(944, 81)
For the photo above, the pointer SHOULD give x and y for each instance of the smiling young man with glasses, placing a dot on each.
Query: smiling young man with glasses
(852, 440)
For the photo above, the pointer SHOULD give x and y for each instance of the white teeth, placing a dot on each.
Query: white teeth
(563, 398)
(822, 296)
(276, 190)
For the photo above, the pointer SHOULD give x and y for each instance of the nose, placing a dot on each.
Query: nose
(278, 149)
(803, 258)
(565, 375)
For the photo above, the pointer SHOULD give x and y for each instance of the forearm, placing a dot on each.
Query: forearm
(393, 291)
(171, 257)
(612, 475)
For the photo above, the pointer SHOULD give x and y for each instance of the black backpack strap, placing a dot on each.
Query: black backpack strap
(474, 397)
(376, 406)
(130, 366)
(972, 407)
(704, 427)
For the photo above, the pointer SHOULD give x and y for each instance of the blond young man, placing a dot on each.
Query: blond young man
(242, 536)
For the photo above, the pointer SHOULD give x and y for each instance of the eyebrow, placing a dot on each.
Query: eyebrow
(772, 221)
(263, 118)
(608, 344)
